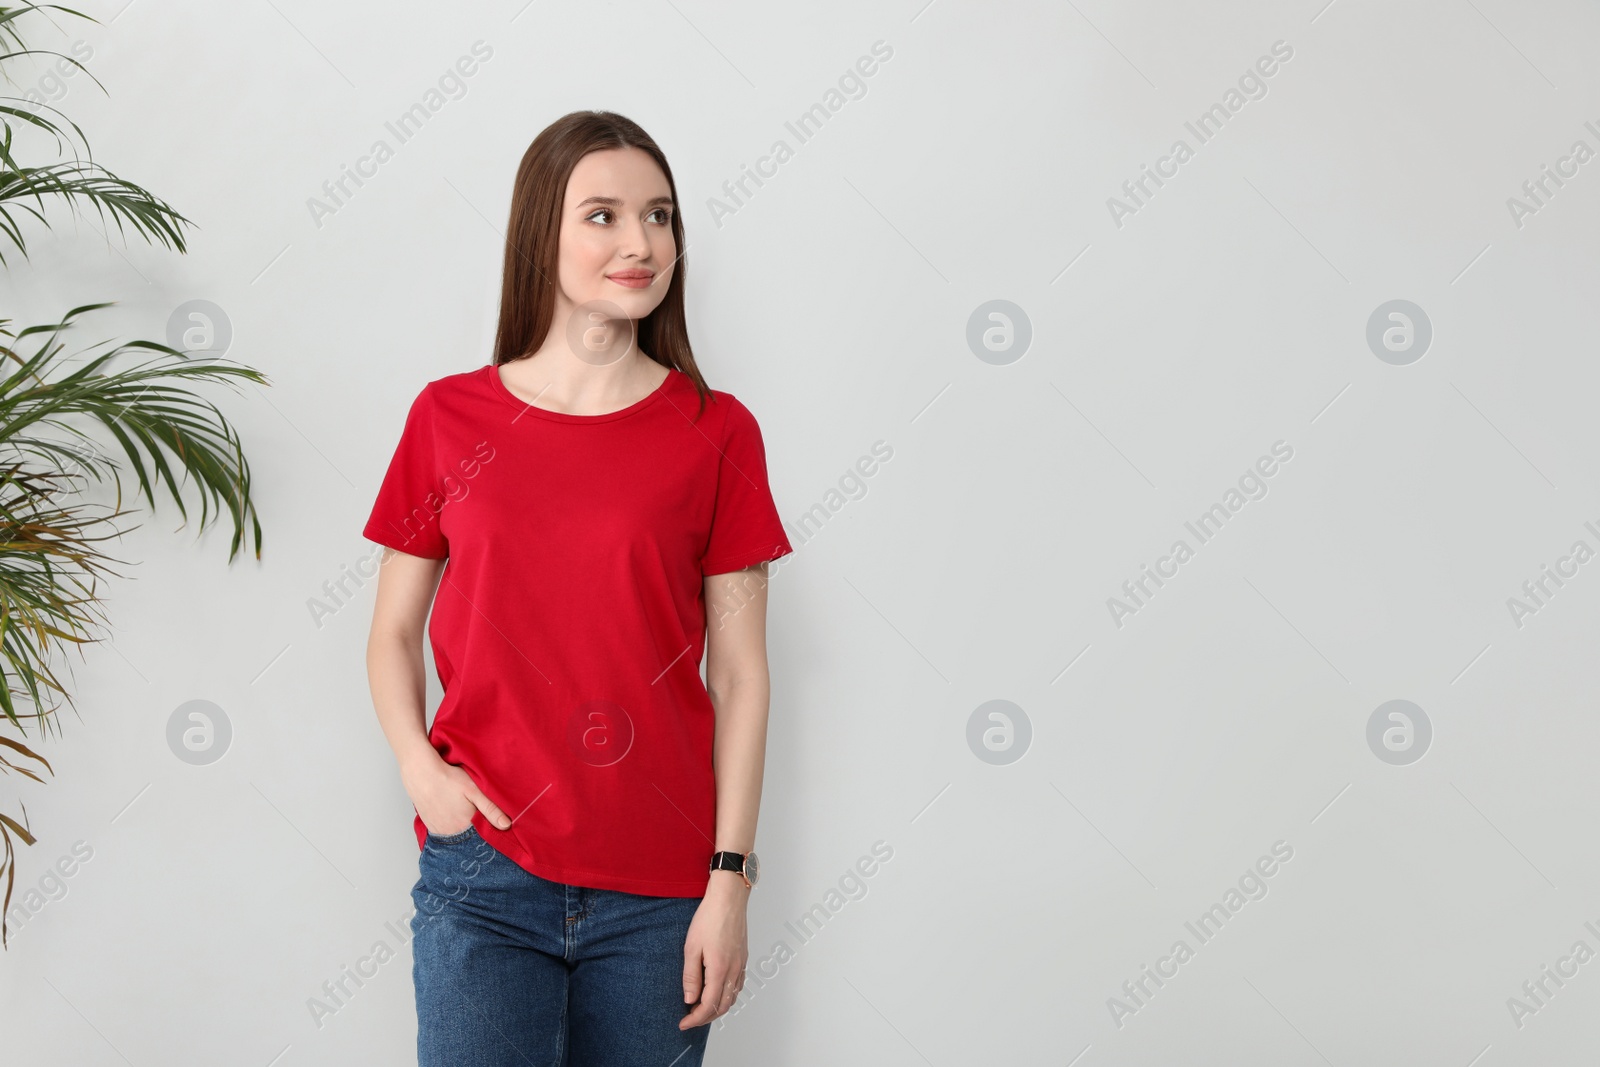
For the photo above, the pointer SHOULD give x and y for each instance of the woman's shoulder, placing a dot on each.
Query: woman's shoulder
(732, 418)
(459, 382)
(721, 405)
(446, 392)
(730, 403)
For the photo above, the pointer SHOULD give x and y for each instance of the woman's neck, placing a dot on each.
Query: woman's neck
(556, 379)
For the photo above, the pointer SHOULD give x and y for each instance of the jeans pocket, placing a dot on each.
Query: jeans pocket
(451, 839)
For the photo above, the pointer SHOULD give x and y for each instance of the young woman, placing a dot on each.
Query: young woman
(586, 519)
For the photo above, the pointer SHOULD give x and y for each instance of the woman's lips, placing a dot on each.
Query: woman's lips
(632, 279)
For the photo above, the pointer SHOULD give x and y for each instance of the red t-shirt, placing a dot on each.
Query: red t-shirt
(570, 621)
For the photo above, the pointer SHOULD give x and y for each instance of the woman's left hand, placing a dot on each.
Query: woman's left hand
(715, 952)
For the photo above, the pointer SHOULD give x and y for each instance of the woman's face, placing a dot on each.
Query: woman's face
(617, 251)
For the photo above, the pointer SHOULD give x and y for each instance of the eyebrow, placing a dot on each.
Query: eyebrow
(611, 201)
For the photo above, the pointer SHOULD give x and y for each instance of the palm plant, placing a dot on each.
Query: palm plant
(50, 536)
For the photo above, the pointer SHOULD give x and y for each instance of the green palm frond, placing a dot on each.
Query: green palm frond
(43, 122)
(76, 181)
(146, 415)
(56, 408)
(152, 218)
(48, 565)
(10, 37)
(9, 15)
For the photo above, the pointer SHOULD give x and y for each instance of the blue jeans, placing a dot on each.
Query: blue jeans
(514, 969)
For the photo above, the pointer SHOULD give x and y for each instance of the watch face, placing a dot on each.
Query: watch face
(752, 867)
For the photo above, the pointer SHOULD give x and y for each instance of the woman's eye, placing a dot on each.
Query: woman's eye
(661, 215)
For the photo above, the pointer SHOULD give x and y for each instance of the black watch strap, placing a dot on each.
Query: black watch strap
(728, 861)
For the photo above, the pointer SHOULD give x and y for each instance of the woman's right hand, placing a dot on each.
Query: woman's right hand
(445, 796)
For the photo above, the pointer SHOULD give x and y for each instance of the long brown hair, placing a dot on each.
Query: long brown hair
(533, 244)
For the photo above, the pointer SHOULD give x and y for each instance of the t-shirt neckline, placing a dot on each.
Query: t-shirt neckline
(498, 387)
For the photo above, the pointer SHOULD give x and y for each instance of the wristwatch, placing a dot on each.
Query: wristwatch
(745, 864)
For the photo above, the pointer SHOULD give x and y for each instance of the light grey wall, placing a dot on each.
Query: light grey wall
(1146, 763)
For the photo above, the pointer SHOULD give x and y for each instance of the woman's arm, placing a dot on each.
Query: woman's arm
(445, 795)
(740, 688)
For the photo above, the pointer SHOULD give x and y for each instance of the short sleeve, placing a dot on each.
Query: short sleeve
(406, 513)
(745, 528)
